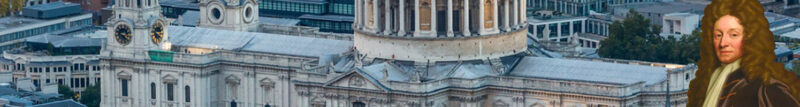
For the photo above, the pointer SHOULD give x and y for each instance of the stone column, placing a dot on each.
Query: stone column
(495, 14)
(375, 18)
(583, 26)
(358, 14)
(521, 7)
(514, 16)
(523, 13)
(434, 26)
(481, 22)
(402, 14)
(558, 31)
(387, 16)
(505, 15)
(416, 17)
(466, 18)
(449, 18)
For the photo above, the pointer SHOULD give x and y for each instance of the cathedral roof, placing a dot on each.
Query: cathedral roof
(590, 71)
(255, 42)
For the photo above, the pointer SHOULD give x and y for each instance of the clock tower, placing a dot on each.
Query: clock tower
(136, 27)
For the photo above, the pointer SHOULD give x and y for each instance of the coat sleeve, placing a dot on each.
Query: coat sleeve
(778, 95)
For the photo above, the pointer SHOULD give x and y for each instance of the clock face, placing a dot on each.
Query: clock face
(123, 34)
(157, 33)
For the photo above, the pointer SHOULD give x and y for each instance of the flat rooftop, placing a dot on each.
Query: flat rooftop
(255, 42)
(663, 7)
(588, 71)
(16, 23)
(553, 18)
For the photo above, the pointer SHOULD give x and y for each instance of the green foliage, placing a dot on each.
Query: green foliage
(91, 96)
(66, 92)
(636, 39)
(796, 67)
(16, 5)
(7, 6)
(3, 7)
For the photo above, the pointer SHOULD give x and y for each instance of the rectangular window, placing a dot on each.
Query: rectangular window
(170, 96)
(124, 87)
(83, 82)
(187, 93)
(152, 91)
(36, 83)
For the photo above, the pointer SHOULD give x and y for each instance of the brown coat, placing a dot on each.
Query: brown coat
(738, 91)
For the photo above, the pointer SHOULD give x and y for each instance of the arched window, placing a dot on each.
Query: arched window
(138, 3)
(233, 103)
(152, 90)
(187, 94)
(359, 104)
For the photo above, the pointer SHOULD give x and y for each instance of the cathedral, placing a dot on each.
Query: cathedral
(404, 53)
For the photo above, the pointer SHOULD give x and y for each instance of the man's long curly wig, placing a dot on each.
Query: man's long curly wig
(758, 59)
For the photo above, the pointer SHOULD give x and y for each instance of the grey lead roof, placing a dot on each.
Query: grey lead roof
(565, 69)
(65, 41)
(255, 42)
(62, 103)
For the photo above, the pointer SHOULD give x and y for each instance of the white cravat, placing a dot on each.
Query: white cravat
(717, 81)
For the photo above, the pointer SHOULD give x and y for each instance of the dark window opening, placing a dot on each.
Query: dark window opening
(170, 96)
(359, 104)
(124, 87)
(152, 90)
(187, 93)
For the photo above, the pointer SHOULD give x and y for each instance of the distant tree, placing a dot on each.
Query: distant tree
(66, 92)
(636, 39)
(91, 96)
(16, 5)
(4, 7)
(796, 67)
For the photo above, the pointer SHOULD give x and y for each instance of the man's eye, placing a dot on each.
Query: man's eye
(734, 35)
(717, 35)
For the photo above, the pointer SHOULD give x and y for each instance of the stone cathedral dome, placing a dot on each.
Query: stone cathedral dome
(439, 30)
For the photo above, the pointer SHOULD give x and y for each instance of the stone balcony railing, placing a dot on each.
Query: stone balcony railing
(45, 58)
(566, 86)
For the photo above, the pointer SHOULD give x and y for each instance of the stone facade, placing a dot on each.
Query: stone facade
(255, 70)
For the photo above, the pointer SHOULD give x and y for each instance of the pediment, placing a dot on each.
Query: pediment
(356, 79)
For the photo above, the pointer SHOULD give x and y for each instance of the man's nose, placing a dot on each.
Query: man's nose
(723, 41)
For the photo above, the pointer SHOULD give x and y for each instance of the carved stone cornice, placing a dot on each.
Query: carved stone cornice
(468, 98)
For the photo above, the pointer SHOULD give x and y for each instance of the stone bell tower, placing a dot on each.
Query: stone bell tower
(236, 15)
(136, 26)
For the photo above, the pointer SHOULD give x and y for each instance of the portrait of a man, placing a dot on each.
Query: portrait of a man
(737, 64)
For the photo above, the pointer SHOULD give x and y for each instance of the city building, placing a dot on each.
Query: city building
(566, 34)
(88, 6)
(581, 7)
(784, 28)
(678, 24)
(22, 93)
(328, 15)
(38, 2)
(40, 19)
(561, 28)
(408, 61)
(655, 11)
(175, 8)
(66, 57)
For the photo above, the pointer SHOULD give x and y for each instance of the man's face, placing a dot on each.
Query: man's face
(728, 35)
